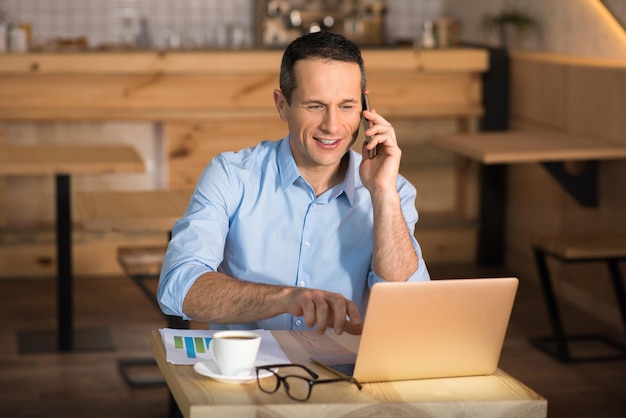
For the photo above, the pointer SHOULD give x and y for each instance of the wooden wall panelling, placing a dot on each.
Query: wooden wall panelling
(192, 145)
(597, 104)
(447, 244)
(538, 92)
(2, 187)
(33, 253)
(446, 230)
(425, 95)
(613, 194)
(430, 169)
(468, 175)
(467, 202)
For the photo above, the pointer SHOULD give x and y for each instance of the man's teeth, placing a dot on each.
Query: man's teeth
(327, 141)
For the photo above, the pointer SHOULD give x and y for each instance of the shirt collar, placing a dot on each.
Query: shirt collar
(286, 164)
(289, 171)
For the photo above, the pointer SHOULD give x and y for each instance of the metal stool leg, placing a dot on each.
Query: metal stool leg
(556, 345)
(558, 336)
(174, 410)
(618, 286)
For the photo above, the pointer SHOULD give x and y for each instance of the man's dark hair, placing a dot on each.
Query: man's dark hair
(323, 45)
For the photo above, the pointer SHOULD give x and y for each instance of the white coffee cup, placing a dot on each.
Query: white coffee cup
(235, 352)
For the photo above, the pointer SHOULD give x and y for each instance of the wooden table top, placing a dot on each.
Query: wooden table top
(529, 146)
(131, 211)
(40, 159)
(485, 396)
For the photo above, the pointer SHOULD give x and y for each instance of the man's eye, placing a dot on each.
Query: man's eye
(315, 107)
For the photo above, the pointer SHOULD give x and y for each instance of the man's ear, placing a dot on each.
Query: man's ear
(281, 104)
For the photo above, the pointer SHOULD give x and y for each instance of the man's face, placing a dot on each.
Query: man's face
(324, 113)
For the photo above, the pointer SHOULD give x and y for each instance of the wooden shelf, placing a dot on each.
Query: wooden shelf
(529, 146)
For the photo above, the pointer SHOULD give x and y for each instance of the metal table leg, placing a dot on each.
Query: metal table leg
(65, 339)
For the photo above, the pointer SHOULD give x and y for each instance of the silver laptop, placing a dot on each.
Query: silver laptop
(420, 330)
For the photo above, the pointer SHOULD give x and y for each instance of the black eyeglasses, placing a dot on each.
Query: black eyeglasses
(297, 386)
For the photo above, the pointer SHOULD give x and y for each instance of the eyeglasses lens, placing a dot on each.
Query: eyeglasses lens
(297, 387)
(269, 384)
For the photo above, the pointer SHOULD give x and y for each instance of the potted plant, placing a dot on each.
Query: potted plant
(512, 23)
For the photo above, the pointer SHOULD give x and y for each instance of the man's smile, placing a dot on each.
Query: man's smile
(328, 142)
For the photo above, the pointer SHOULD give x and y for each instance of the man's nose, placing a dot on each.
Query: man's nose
(331, 119)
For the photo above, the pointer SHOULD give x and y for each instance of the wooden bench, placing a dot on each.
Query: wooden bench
(141, 261)
(609, 249)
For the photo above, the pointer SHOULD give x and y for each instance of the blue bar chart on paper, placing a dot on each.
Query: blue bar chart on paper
(189, 346)
(185, 346)
(192, 345)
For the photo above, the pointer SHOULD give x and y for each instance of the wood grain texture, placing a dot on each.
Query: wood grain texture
(152, 86)
(68, 159)
(530, 146)
(32, 254)
(192, 145)
(131, 210)
(580, 95)
(228, 62)
(486, 396)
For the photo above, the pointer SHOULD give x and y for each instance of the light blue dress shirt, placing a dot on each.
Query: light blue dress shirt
(252, 216)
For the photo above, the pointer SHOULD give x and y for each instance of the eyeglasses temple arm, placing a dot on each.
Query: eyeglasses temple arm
(341, 379)
(301, 366)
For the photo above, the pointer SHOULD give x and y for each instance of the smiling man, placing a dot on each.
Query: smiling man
(291, 234)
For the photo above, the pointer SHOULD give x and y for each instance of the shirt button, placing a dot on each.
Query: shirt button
(298, 322)
(302, 284)
(307, 244)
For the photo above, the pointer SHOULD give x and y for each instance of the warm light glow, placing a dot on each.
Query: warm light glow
(610, 20)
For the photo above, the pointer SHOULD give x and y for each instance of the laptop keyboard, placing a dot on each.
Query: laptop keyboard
(346, 368)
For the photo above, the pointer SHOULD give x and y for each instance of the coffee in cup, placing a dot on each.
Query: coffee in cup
(235, 352)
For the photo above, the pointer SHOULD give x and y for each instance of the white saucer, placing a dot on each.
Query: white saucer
(209, 368)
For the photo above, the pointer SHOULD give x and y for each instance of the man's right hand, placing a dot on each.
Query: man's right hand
(325, 309)
(220, 299)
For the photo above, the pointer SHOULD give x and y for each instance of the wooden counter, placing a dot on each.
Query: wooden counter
(215, 84)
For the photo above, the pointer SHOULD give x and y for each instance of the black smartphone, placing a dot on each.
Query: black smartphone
(366, 125)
